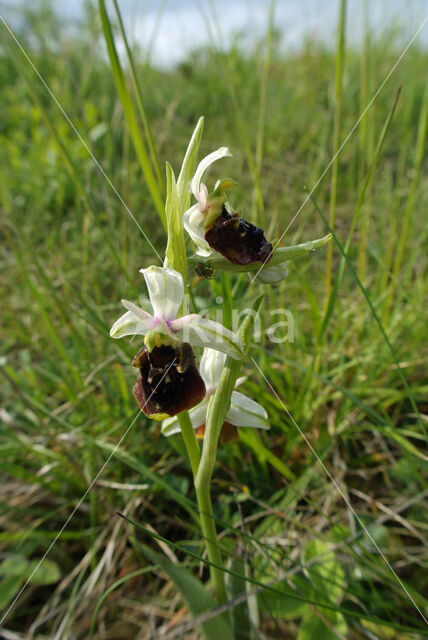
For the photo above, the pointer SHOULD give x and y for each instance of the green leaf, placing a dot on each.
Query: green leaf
(16, 565)
(405, 444)
(47, 573)
(194, 594)
(314, 628)
(9, 588)
(326, 575)
(188, 166)
(282, 605)
(175, 249)
(384, 632)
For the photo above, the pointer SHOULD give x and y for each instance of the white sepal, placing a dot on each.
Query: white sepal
(211, 367)
(129, 325)
(246, 412)
(197, 417)
(193, 221)
(166, 291)
(195, 185)
(272, 273)
(202, 332)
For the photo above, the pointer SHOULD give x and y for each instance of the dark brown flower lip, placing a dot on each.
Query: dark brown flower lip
(238, 240)
(229, 433)
(169, 381)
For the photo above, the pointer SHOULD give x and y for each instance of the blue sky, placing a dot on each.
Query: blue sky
(168, 29)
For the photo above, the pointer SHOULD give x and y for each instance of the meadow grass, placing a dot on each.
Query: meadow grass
(354, 378)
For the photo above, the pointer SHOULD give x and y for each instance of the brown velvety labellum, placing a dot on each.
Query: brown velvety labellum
(228, 433)
(169, 382)
(238, 240)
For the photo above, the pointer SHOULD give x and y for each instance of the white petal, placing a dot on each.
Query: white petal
(193, 221)
(128, 325)
(197, 416)
(246, 412)
(202, 332)
(179, 323)
(211, 366)
(139, 312)
(204, 252)
(203, 198)
(273, 273)
(166, 291)
(195, 185)
(240, 380)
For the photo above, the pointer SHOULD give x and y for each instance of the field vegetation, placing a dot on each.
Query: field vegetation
(346, 397)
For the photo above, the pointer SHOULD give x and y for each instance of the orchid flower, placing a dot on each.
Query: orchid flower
(170, 382)
(243, 411)
(194, 218)
(214, 227)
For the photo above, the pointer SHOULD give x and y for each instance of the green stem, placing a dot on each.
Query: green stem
(217, 410)
(190, 441)
(340, 54)
(227, 300)
(203, 495)
(209, 533)
(216, 414)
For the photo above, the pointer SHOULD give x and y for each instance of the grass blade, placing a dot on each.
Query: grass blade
(130, 115)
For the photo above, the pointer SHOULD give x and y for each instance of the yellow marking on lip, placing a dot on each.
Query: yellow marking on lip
(159, 416)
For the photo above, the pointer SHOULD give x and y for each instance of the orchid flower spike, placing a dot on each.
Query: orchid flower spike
(170, 381)
(215, 228)
(243, 411)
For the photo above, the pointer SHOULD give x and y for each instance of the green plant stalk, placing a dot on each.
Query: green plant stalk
(190, 441)
(147, 130)
(340, 54)
(227, 300)
(130, 115)
(216, 414)
(176, 257)
(257, 195)
(365, 146)
(209, 532)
